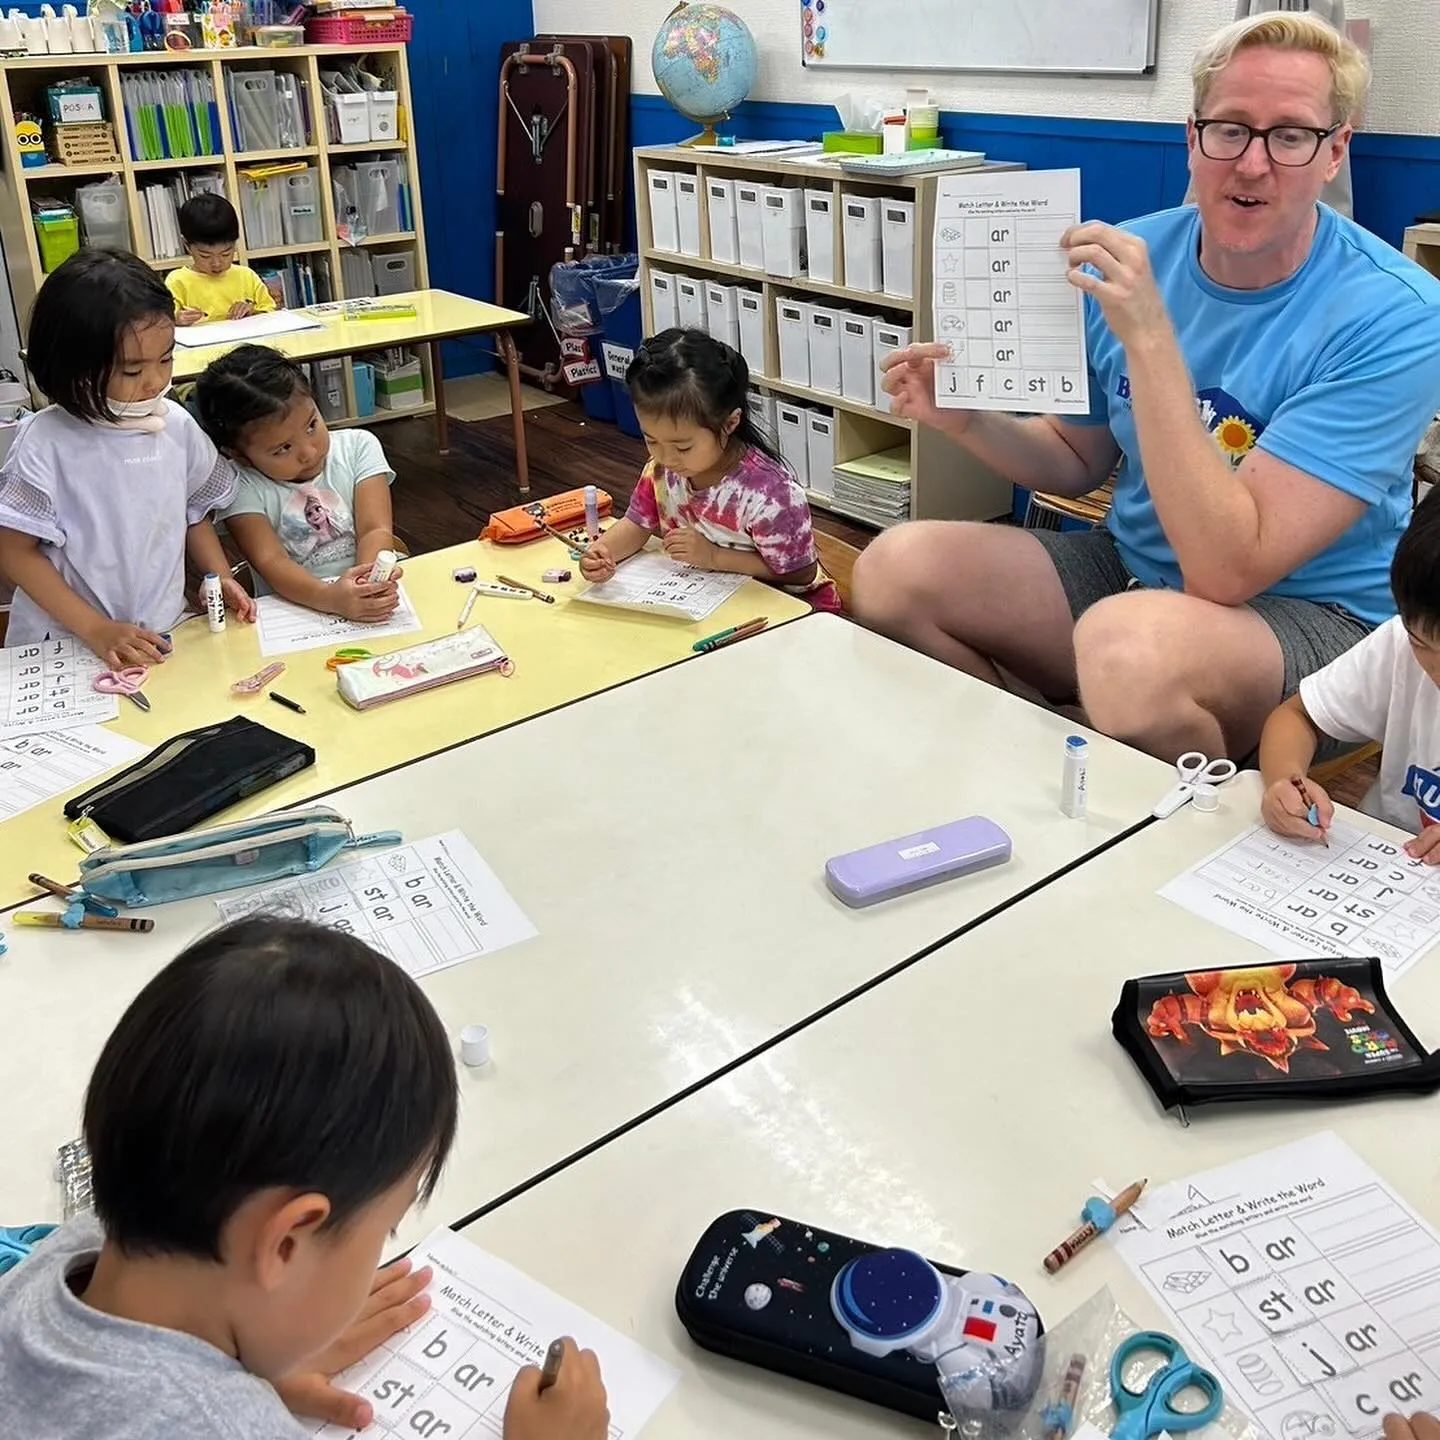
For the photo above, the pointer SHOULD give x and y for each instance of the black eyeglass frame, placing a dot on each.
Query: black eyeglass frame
(1321, 136)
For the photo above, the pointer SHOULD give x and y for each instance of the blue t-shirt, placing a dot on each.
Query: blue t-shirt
(1335, 371)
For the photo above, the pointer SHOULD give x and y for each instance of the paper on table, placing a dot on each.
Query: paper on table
(1362, 896)
(285, 627)
(1307, 1283)
(252, 327)
(427, 906)
(655, 583)
(49, 686)
(37, 768)
(1014, 323)
(486, 1323)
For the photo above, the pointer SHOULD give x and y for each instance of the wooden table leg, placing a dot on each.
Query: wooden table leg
(517, 409)
(437, 381)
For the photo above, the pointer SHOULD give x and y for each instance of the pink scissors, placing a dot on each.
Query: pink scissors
(126, 682)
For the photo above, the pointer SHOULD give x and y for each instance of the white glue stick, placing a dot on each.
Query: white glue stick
(1073, 781)
(387, 562)
(214, 599)
(592, 513)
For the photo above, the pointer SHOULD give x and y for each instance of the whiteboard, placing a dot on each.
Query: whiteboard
(1077, 37)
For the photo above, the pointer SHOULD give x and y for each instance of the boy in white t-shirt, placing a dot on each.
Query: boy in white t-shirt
(311, 510)
(1387, 689)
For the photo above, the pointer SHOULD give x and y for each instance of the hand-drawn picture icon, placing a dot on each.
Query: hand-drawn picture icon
(1257, 1370)
(949, 293)
(1307, 1425)
(398, 863)
(1185, 1282)
(950, 264)
(1221, 1324)
(949, 234)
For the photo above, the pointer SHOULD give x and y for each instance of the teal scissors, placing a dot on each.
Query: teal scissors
(1147, 1413)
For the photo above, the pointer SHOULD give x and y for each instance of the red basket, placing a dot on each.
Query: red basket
(354, 29)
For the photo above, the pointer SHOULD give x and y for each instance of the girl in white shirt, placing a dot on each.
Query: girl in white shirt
(107, 490)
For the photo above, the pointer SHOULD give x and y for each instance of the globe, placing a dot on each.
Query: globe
(704, 59)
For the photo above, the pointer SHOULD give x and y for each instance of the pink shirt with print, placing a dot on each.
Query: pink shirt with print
(756, 506)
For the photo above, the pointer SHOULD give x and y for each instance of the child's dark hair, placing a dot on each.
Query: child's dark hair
(272, 1052)
(78, 324)
(689, 375)
(249, 384)
(1415, 570)
(209, 220)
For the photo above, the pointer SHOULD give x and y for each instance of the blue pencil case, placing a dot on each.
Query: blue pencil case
(224, 857)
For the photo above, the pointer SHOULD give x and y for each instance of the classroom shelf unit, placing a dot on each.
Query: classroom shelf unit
(22, 88)
(946, 482)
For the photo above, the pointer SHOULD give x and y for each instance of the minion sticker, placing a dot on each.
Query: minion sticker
(30, 142)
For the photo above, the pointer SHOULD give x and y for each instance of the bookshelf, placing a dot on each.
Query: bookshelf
(22, 88)
(947, 483)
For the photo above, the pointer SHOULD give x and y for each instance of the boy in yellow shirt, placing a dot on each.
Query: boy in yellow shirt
(216, 288)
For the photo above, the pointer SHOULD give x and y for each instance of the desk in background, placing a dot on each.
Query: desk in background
(439, 315)
(562, 652)
(668, 841)
(963, 1109)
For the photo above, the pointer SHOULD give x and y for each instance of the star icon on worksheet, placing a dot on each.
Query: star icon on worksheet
(1221, 1324)
(950, 263)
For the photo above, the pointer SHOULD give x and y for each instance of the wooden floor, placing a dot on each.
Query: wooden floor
(443, 499)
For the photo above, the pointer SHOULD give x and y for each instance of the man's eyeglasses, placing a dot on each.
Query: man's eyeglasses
(1285, 144)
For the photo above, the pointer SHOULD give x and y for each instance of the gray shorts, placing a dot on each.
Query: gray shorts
(1309, 633)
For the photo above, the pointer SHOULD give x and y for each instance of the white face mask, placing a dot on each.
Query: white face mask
(132, 414)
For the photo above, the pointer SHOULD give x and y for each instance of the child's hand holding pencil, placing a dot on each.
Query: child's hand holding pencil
(1298, 809)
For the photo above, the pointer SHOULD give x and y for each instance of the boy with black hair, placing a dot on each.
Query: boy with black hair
(265, 1112)
(1386, 689)
(213, 286)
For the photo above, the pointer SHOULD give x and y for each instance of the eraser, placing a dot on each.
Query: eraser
(475, 1045)
(555, 577)
(465, 575)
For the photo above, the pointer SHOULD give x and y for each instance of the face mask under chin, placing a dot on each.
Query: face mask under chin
(139, 414)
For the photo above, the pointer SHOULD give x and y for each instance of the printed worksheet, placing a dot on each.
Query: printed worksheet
(252, 327)
(285, 628)
(655, 583)
(1014, 323)
(49, 686)
(450, 1373)
(428, 905)
(1307, 1283)
(37, 768)
(1362, 896)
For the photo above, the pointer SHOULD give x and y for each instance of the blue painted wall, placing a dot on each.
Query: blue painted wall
(454, 80)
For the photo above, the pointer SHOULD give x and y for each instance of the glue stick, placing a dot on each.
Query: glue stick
(592, 513)
(1072, 782)
(214, 599)
(387, 562)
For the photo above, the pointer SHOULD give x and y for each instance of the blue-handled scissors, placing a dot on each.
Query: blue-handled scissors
(1194, 769)
(1146, 1413)
(126, 682)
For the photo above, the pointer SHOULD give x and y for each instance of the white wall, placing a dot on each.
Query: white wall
(1405, 96)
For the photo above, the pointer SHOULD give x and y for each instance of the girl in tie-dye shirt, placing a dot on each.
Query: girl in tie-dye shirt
(715, 490)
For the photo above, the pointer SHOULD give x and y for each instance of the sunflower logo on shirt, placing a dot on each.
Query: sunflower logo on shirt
(1233, 428)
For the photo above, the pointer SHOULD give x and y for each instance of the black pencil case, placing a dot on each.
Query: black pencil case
(189, 778)
(770, 1291)
(1321, 1029)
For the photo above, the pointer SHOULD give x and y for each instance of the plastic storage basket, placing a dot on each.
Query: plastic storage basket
(355, 29)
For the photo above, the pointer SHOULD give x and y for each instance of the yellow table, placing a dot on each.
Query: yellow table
(439, 315)
(562, 653)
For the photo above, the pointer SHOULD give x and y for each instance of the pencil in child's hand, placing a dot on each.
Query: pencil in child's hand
(1312, 814)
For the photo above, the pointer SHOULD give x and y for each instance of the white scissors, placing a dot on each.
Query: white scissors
(1194, 769)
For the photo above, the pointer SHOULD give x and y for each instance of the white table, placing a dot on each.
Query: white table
(963, 1108)
(668, 840)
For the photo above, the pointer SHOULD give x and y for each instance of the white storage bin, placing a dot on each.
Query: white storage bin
(663, 312)
(687, 213)
(792, 327)
(750, 304)
(860, 221)
(820, 235)
(300, 207)
(724, 235)
(664, 219)
(749, 230)
(348, 118)
(824, 349)
(690, 303)
(722, 313)
(857, 357)
(887, 338)
(783, 231)
(792, 434)
(897, 246)
(384, 108)
(394, 272)
(761, 405)
(820, 452)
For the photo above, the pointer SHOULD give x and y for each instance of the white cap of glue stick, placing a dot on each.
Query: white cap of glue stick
(475, 1045)
(1206, 797)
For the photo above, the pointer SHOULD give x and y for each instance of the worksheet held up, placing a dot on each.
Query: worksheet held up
(1014, 323)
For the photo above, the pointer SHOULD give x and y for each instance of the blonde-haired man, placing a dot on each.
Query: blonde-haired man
(1261, 369)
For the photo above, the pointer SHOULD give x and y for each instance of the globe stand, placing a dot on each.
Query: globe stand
(708, 138)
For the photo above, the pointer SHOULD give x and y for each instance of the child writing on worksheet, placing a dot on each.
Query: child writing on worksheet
(213, 286)
(1383, 689)
(261, 1118)
(715, 490)
(106, 491)
(312, 510)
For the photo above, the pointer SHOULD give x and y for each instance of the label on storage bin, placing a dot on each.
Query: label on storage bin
(582, 372)
(617, 360)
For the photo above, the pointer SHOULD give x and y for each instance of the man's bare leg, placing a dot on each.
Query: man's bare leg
(1169, 673)
(976, 596)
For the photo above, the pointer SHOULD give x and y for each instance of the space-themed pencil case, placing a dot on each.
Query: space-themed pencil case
(1320, 1029)
(878, 1324)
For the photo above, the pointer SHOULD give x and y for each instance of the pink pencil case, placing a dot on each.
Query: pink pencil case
(367, 683)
